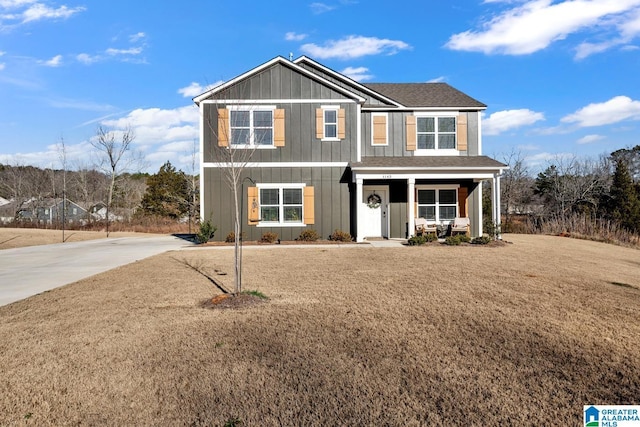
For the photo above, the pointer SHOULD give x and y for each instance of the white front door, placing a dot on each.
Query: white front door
(375, 208)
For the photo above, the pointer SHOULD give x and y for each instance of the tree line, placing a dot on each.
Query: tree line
(606, 189)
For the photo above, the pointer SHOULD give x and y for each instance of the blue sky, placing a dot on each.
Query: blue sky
(560, 78)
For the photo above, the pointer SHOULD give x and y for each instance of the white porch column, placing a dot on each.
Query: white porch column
(498, 221)
(479, 206)
(359, 195)
(411, 197)
(493, 200)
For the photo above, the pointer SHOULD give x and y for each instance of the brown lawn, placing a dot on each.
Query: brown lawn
(522, 334)
(11, 238)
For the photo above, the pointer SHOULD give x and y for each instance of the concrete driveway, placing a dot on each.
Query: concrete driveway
(31, 270)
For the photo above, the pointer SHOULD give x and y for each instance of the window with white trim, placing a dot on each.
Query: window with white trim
(436, 133)
(251, 127)
(438, 205)
(330, 122)
(281, 204)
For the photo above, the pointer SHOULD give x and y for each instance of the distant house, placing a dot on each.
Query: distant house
(332, 153)
(7, 211)
(50, 211)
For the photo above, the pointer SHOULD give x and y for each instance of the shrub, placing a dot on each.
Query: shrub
(457, 239)
(340, 236)
(206, 232)
(417, 240)
(231, 237)
(484, 240)
(308, 236)
(269, 237)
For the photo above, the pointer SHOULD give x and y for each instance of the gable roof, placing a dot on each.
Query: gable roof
(287, 63)
(426, 95)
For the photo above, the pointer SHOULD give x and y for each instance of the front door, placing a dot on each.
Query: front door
(375, 208)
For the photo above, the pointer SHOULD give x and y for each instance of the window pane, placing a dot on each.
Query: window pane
(270, 213)
(263, 137)
(447, 213)
(446, 141)
(269, 196)
(240, 118)
(292, 196)
(446, 124)
(426, 124)
(330, 131)
(426, 142)
(447, 197)
(427, 212)
(240, 136)
(262, 119)
(426, 197)
(293, 214)
(330, 116)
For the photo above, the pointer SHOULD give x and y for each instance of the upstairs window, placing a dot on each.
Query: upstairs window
(436, 133)
(251, 127)
(330, 123)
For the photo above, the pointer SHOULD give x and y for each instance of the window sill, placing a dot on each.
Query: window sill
(330, 139)
(447, 152)
(253, 147)
(280, 224)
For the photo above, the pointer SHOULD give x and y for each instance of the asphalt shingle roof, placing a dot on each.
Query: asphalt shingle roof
(426, 162)
(425, 95)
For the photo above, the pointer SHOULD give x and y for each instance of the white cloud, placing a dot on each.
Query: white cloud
(615, 110)
(319, 8)
(291, 36)
(588, 139)
(352, 47)
(195, 89)
(2, 66)
(502, 121)
(528, 147)
(534, 25)
(134, 38)
(87, 59)
(437, 80)
(56, 61)
(40, 11)
(2, 53)
(130, 51)
(358, 74)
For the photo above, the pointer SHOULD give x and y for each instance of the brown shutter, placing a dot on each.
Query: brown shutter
(309, 205)
(463, 192)
(341, 123)
(223, 127)
(253, 209)
(462, 132)
(319, 123)
(379, 130)
(411, 133)
(278, 128)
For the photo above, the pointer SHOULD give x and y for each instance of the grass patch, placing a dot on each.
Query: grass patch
(255, 293)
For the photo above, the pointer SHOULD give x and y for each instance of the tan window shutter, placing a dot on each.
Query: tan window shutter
(463, 193)
(341, 123)
(309, 205)
(462, 132)
(223, 127)
(379, 130)
(253, 209)
(278, 128)
(411, 133)
(319, 123)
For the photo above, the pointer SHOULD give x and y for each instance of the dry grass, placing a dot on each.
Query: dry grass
(522, 334)
(11, 238)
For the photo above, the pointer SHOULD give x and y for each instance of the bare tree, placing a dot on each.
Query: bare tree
(235, 146)
(112, 148)
(516, 187)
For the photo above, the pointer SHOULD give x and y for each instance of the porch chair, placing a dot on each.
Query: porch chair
(461, 225)
(423, 228)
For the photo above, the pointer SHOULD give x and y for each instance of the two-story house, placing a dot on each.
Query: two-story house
(329, 153)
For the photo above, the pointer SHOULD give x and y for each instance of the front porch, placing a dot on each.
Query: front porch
(390, 193)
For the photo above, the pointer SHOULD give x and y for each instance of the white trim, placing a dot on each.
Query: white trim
(324, 109)
(280, 165)
(416, 175)
(437, 204)
(386, 129)
(201, 155)
(252, 130)
(277, 101)
(437, 186)
(278, 60)
(455, 113)
(479, 138)
(417, 168)
(426, 109)
(359, 133)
